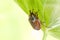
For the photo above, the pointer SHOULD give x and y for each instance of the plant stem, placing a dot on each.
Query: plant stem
(45, 35)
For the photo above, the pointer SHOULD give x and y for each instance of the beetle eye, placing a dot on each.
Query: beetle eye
(33, 18)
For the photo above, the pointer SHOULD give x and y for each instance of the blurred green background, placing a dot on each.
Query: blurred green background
(14, 23)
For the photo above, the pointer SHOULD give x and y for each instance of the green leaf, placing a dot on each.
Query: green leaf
(49, 14)
(55, 32)
(45, 8)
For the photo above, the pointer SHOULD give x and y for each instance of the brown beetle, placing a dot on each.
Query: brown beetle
(34, 20)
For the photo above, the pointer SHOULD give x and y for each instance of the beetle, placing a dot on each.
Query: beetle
(34, 20)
